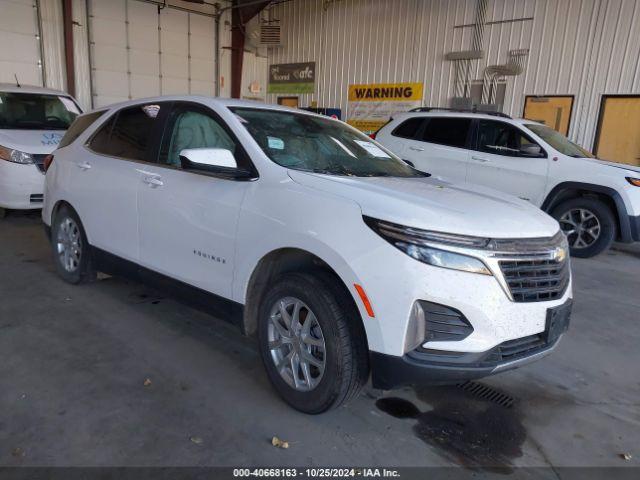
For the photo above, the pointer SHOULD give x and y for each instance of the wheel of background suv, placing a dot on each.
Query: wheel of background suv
(589, 225)
(71, 251)
(3, 213)
(309, 344)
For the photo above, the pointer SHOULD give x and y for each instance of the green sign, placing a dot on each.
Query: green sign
(292, 78)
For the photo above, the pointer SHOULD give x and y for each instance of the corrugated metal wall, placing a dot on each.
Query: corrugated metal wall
(584, 48)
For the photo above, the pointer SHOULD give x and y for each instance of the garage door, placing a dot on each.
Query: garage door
(19, 29)
(137, 52)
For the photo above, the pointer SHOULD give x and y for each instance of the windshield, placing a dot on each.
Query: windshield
(322, 145)
(558, 141)
(35, 111)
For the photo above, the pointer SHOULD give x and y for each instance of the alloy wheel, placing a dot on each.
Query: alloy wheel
(69, 245)
(296, 344)
(581, 227)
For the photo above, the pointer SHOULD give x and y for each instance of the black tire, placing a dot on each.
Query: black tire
(3, 213)
(601, 213)
(84, 271)
(346, 355)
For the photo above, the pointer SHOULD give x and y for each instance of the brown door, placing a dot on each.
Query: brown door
(553, 111)
(288, 101)
(618, 136)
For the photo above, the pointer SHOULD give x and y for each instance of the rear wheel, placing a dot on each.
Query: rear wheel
(3, 213)
(71, 251)
(308, 343)
(589, 225)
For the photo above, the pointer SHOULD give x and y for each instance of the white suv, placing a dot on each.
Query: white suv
(32, 122)
(595, 202)
(339, 256)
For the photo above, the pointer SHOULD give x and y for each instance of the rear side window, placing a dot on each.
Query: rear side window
(79, 125)
(448, 131)
(129, 134)
(408, 128)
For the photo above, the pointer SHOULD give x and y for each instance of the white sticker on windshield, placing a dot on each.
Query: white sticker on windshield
(372, 149)
(275, 143)
(69, 105)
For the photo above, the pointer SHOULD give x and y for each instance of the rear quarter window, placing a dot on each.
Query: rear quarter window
(79, 125)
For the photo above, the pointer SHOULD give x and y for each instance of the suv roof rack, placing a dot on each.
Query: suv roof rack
(459, 110)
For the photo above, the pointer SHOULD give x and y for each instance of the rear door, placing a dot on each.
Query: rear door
(188, 220)
(497, 161)
(106, 176)
(440, 147)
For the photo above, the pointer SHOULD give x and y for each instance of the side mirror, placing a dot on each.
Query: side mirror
(212, 161)
(531, 150)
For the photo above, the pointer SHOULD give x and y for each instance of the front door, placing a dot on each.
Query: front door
(498, 161)
(188, 220)
(618, 139)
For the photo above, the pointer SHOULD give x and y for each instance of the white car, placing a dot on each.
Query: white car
(596, 202)
(32, 122)
(342, 259)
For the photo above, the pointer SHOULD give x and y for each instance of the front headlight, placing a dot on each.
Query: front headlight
(633, 181)
(418, 244)
(15, 156)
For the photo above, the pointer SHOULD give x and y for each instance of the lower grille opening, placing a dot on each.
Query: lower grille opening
(36, 198)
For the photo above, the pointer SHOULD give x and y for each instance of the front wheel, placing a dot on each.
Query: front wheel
(589, 225)
(308, 343)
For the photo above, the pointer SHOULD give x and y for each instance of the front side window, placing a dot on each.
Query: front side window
(449, 131)
(128, 134)
(501, 138)
(306, 142)
(191, 127)
(35, 111)
(558, 141)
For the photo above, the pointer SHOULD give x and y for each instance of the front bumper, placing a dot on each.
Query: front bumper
(21, 186)
(435, 367)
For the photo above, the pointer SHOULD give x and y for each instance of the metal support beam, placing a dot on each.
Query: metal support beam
(67, 24)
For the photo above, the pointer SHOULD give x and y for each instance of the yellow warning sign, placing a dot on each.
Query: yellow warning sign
(371, 105)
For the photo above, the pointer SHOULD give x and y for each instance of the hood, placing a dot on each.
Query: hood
(434, 204)
(622, 166)
(31, 141)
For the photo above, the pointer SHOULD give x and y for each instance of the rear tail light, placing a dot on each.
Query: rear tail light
(48, 160)
(373, 135)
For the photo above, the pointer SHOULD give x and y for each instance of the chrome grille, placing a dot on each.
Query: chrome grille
(536, 280)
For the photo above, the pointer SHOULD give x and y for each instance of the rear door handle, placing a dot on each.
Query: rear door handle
(150, 178)
(83, 165)
(153, 181)
(416, 149)
(480, 159)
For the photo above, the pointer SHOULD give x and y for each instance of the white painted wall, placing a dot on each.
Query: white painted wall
(584, 48)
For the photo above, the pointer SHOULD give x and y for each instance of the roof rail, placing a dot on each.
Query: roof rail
(458, 110)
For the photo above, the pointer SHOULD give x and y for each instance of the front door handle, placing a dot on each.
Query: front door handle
(416, 149)
(480, 159)
(83, 166)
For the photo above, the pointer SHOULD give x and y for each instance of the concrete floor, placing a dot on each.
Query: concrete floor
(74, 360)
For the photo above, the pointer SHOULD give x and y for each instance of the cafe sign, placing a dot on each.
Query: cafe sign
(292, 78)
